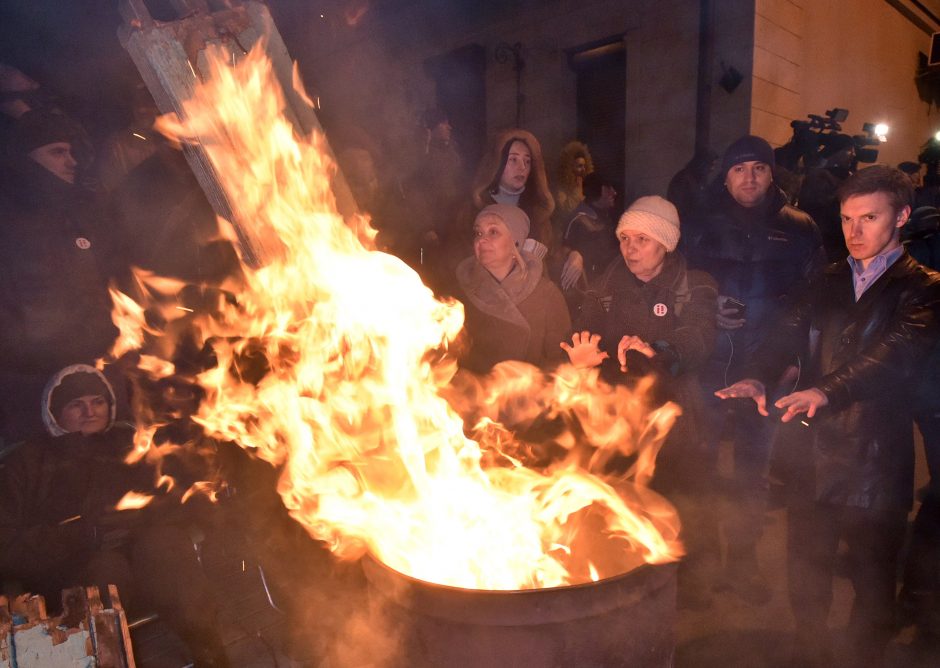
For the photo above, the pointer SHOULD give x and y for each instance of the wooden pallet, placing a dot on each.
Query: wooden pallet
(85, 635)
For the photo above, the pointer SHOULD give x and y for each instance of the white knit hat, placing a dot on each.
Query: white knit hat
(654, 216)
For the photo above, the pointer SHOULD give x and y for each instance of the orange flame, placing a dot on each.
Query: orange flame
(360, 405)
(133, 501)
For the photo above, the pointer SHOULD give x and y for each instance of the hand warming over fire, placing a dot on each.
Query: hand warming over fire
(632, 343)
(583, 351)
(804, 401)
(748, 389)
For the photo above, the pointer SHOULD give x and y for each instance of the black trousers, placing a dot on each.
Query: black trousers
(874, 539)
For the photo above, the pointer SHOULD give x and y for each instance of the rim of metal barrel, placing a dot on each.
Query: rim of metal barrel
(521, 607)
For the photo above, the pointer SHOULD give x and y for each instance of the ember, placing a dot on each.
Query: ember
(358, 403)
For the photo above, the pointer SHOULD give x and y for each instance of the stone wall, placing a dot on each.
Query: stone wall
(371, 76)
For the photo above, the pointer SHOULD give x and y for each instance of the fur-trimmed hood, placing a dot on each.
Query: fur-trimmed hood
(536, 200)
(48, 419)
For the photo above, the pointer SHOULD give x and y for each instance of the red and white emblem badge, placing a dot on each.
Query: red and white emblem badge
(660, 309)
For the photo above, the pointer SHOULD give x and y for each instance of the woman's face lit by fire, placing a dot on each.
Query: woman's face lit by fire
(87, 414)
(642, 253)
(493, 245)
(517, 169)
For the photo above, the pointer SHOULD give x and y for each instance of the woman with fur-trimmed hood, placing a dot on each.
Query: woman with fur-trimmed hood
(513, 172)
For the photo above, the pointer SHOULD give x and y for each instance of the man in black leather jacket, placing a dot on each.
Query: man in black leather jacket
(759, 250)
(870, 322)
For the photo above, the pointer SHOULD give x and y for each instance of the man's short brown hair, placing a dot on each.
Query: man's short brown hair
(880, 178)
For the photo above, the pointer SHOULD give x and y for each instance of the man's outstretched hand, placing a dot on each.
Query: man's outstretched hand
(747, 389)
(805, 401)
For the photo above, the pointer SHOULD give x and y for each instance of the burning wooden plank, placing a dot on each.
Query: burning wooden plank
(171, 58)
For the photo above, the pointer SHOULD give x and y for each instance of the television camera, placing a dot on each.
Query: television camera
(820, 142)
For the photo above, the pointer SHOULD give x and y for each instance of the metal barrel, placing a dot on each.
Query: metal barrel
(625, 620)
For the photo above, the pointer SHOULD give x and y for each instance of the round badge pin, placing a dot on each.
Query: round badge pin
(660, 309)
(83, 243)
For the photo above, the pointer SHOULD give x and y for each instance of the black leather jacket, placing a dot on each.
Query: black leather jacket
(866, 360)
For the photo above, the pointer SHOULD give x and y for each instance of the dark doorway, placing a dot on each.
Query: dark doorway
(601, 69)
(460, 81)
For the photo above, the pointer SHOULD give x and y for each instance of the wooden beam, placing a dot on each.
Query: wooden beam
(171, 60)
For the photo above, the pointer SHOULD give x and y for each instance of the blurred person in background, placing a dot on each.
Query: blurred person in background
(688, 189)
(590, 229)
(574, 163)
(56, 257)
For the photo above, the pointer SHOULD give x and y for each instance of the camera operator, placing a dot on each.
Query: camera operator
(817, 196)
(759, 249)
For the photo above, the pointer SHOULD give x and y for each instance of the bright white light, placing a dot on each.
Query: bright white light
(881, 131)
(937, 135)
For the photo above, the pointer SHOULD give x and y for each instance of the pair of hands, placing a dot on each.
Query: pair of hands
(805, 401)
(584, 351)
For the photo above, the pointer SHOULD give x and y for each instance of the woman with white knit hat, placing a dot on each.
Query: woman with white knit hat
(647, 301)
(647, 314)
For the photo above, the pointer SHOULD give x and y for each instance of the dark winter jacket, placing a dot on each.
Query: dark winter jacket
(54, 268)
(54, 491)
(591, 233)
(674, 312)
(759, 256)
(866, 361)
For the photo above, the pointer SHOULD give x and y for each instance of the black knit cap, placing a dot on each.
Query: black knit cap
(73, 386)
(40, 127)
(747, 149)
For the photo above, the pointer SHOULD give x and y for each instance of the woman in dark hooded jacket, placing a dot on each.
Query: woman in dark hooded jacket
(60, 527)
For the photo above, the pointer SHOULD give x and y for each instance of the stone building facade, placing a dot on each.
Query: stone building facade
(377, 65)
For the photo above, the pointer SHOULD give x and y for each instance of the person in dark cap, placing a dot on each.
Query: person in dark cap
(760, 250)
(59, 525)
(832, 165)
(688, 189)
(590, 228)
(913, 171)
(54, 266)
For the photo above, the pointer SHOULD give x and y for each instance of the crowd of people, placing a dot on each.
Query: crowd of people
(808, 362)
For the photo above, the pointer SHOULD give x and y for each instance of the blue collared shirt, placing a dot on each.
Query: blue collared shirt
(862, 279)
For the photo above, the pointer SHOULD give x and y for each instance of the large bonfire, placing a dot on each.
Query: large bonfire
(382, 448)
